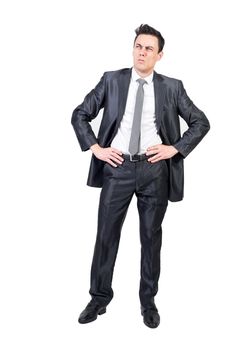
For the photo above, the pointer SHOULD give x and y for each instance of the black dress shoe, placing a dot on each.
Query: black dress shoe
(91, 312)
(151, 317)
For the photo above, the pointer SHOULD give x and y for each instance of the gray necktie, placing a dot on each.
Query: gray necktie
(136, 124)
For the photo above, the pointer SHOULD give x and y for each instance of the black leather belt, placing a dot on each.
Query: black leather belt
(135, 158)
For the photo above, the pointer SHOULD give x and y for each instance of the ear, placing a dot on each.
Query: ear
(160, 55)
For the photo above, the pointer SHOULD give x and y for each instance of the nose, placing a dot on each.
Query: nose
(142, 52)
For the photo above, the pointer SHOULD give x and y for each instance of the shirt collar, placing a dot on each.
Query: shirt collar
(136, 76)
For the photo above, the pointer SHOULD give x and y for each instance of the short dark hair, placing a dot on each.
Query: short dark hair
(146, 29)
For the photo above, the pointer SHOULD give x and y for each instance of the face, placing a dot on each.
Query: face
(145, 54)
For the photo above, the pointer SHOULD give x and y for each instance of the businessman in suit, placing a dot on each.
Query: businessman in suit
(138, 150)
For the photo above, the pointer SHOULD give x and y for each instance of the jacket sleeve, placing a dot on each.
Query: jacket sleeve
(85, 112)
(198, 124)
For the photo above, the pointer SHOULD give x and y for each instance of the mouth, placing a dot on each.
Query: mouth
(140, 61)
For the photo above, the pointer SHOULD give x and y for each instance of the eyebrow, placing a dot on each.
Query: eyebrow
(147, 47)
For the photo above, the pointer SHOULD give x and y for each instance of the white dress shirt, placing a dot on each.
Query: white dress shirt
(149, 135)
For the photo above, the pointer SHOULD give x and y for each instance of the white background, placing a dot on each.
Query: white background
(52, 54)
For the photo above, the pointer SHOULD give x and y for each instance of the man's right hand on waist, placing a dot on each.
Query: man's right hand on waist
(109, 154)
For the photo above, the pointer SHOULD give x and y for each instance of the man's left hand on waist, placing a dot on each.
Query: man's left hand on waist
(160, 152)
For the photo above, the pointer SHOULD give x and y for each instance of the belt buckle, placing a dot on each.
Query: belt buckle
(132, 158)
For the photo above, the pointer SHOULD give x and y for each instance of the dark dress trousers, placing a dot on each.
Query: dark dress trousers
(153, 184)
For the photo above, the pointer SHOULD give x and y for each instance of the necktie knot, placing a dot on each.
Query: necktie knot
(141, 81)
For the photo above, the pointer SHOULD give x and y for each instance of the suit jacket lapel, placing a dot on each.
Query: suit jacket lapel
(159, 92)
(123, 84)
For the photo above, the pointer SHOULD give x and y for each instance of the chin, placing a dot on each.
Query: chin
(140, 68)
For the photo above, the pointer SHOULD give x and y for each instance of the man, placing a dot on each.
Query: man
(138, 150)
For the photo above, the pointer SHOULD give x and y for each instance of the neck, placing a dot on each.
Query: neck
(143, 74)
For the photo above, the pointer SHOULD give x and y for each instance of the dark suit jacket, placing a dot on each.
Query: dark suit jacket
(171, 101)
